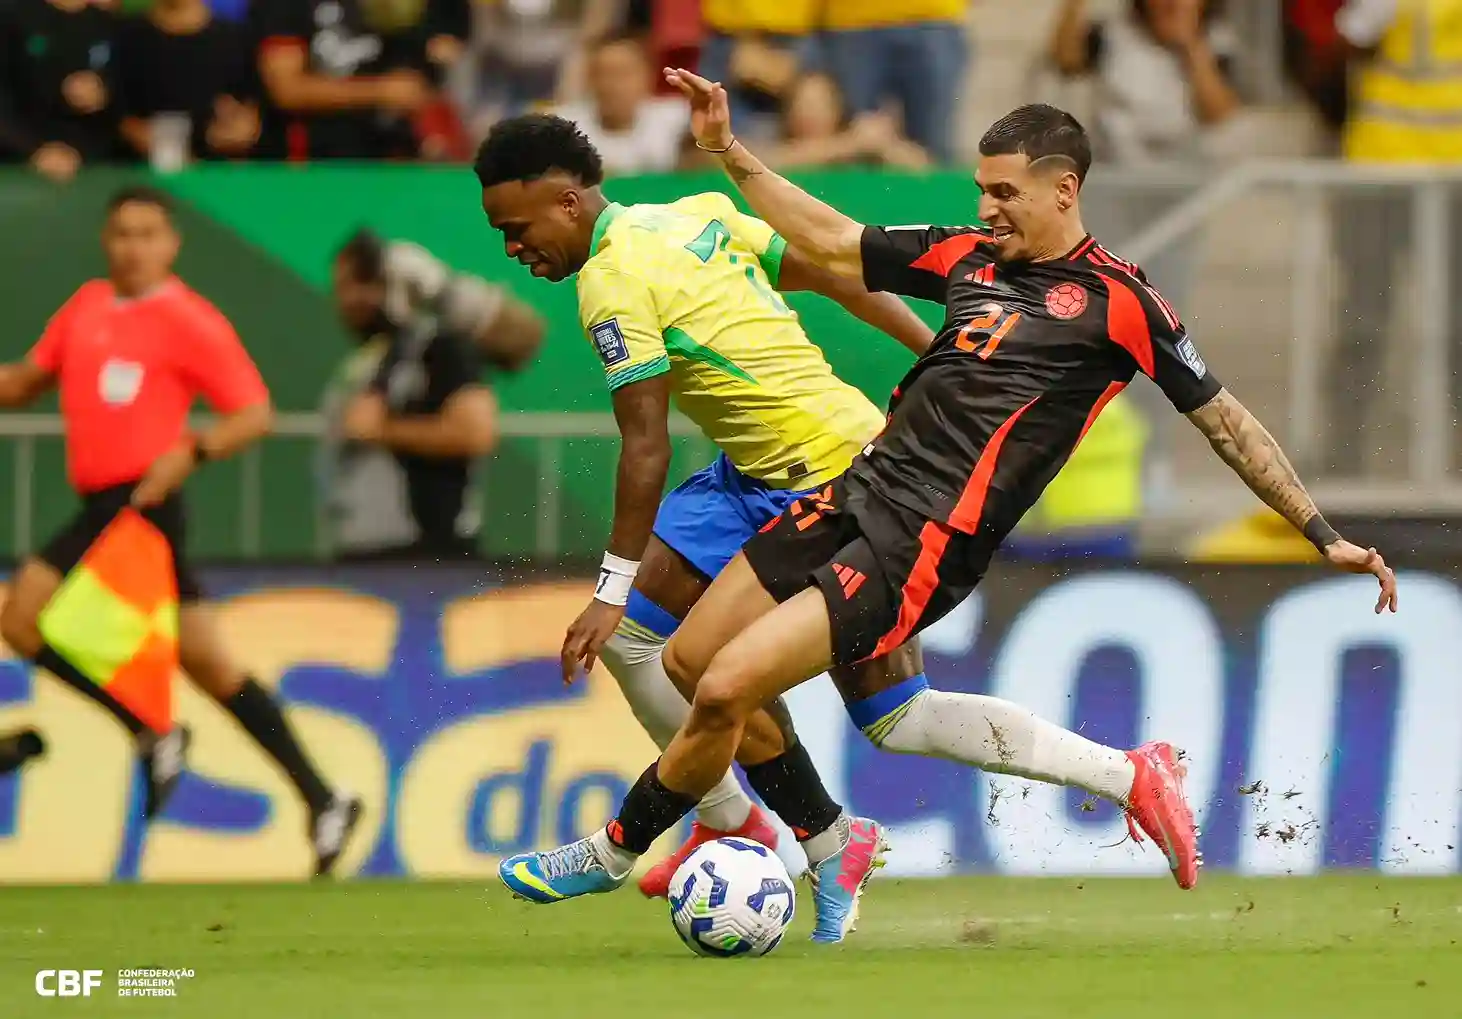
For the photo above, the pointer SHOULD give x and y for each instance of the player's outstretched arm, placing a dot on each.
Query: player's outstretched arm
(22, 382)
(823, 233)
(885, 312)
(1243, 443)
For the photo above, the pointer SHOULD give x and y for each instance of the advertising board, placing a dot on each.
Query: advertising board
(1318, 734)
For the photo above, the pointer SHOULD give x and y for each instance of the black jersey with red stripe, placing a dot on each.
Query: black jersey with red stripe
(1028, 355)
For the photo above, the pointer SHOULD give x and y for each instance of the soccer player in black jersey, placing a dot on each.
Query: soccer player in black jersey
(1043, 327)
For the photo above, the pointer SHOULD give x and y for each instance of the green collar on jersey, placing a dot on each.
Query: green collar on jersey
(611, 212)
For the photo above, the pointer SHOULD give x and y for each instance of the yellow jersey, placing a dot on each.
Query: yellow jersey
(849, 14)
(1406, 102)
(778, 17)
(688, 289)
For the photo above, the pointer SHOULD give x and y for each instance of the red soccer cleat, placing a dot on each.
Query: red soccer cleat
(1158, 805)
(758, 828)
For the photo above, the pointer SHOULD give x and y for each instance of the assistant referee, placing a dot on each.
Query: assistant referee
(129, 355)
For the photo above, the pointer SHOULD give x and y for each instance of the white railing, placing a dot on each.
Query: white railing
(1261, 236)
(550, 430)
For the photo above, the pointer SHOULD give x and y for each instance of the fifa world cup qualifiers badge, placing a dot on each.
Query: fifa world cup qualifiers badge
(609, 341)
(1191, 357)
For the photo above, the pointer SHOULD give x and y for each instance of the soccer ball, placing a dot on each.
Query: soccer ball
(731, 897)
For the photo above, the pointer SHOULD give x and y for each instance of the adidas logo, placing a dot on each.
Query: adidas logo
(850, 578)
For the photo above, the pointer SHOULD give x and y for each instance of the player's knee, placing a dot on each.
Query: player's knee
(19, 630)
(682, 666)
(721, 702)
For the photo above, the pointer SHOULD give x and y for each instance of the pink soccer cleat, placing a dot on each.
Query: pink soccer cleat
(838, 881)
(1157, 804)
(758, 828)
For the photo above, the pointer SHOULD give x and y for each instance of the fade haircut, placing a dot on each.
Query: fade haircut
(141, 194)
(529, 147)
(1039, 131)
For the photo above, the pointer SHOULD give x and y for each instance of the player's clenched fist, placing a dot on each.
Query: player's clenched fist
(710, 111)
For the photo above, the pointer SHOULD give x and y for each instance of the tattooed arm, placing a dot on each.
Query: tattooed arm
(1243, 443)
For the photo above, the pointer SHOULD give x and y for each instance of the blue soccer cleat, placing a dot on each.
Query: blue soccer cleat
(563, 873)
(838, 881)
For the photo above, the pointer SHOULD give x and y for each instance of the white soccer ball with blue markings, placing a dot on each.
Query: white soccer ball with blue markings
(732, 897)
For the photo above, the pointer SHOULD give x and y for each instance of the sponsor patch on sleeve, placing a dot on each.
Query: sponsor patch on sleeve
(1191, 358)
(609, 341)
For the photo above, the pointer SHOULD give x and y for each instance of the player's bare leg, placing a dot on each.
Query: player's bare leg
(889, 699)
(843, 851)
(891, 703)
(667, 588)
(208, 664)
(163, 757)
(780, 771)
(776, 652)
(729, 606)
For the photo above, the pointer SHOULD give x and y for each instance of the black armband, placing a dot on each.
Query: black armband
(1320, 533)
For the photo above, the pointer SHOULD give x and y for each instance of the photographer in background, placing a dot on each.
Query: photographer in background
(407, 414)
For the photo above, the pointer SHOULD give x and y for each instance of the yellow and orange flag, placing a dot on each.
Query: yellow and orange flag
(115, 617)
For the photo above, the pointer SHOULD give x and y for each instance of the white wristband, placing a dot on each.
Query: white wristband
(616, 577)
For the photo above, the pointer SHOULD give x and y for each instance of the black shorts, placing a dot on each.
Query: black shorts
(98, 509)
(886, 572)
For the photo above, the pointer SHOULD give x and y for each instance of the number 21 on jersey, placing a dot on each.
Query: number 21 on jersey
(712, 241)
(992, 320)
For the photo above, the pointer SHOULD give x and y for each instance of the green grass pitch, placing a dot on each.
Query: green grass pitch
(1339, 946)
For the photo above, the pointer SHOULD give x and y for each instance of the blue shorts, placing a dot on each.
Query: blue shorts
(706, 520)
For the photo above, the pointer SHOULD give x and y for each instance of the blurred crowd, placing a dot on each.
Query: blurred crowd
(815, 82)
(171, 81)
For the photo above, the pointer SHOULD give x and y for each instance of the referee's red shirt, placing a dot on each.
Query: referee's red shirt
(128, 371)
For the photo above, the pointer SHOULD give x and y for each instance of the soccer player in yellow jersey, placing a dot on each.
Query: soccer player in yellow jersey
(680, 301)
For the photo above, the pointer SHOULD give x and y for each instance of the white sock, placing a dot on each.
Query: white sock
(617, 860)
(999, 736)
(635, 663)
(828, 842)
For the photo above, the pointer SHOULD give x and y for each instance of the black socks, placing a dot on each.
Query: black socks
(648, 811)
(261, 718)
(788, 784)
(792, 788)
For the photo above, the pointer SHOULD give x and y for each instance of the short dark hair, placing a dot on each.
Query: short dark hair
(365, 252)
(1039, 131)
(528, 147)
(141, 194)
